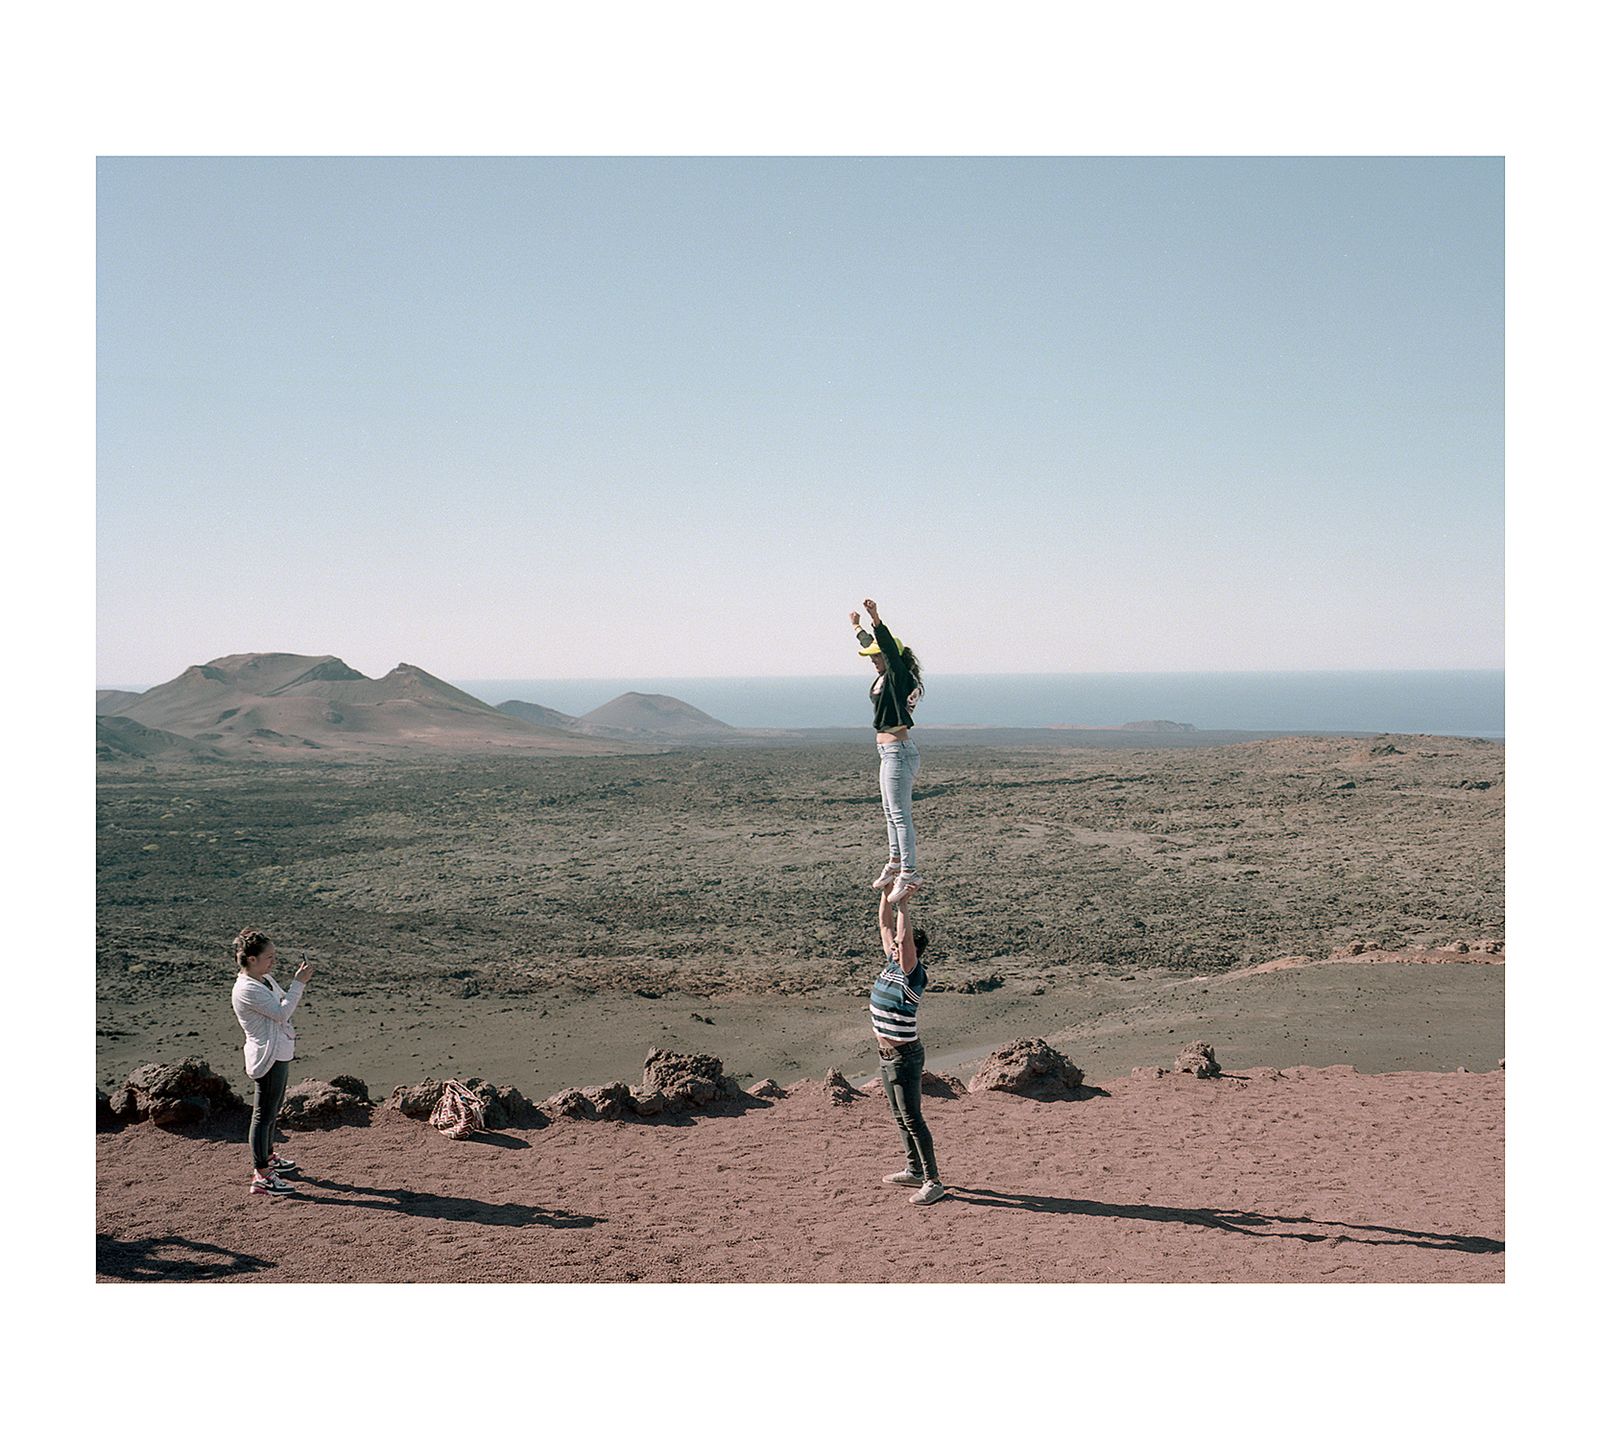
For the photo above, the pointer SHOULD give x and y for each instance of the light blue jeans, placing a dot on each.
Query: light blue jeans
(898, 763)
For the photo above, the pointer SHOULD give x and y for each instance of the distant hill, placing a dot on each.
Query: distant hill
(283, 705)
(113, 702)
(538, 714)
(119, 738)
(638, 716)
(1159, 727)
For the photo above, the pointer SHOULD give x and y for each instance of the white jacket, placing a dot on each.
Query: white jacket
(264, 1008)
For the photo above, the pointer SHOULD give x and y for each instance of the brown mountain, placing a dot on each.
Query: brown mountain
(113, 702)
(538, 714)
(638, 716)
(119, 738)
(292, 705)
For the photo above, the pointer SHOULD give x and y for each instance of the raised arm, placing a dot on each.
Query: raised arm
(863, 637)
(886, 923)
(905, 936)
(891, 648)
(263, 1001)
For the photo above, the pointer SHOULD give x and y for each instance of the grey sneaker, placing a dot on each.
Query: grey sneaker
(908, 883)
(891, 873)
(271, 1185)
(931, 1190)
(903, 1177)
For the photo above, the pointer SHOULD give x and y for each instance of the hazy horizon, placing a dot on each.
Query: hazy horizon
(681, 415)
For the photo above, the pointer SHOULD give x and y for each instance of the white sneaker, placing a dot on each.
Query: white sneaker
(271, 1185)
(903, 1177)
(931, 1190)
(891, 872)
(907, 884)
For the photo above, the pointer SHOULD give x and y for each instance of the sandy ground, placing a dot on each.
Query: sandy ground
(1303, 1175)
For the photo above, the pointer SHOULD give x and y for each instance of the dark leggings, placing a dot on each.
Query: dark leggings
(264, 1113)
(902, 1083)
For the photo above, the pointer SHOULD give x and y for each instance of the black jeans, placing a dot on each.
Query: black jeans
(264, 1113)
(902, 1083)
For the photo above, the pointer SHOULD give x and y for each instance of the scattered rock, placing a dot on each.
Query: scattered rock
(838, 1090)
(183, 1093)
(1147, 1072)
(686, 1080)
(504, 1106)
(971, 985)
(701, 1018)
(1489, 947)
(1462, 1070)
(1459, 947)
(572, 1103)
(946, 1087)
(1197, 1059)
(1027, 1067)
(766, 1090)
(416, 1101)
(646, 1102)
(1502, 1062)
(610, 1102)
(1355, 947)
(314, 1103)
(1385, 749)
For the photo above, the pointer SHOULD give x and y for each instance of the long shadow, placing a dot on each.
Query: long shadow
(496, 1138)
(171, 1257)
(442, 1207)
(1241, 1222)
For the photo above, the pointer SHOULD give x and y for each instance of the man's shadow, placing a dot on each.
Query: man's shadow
(1240, 1222)
(441, 1207)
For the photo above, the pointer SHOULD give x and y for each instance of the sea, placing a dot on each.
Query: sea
(1427, 702)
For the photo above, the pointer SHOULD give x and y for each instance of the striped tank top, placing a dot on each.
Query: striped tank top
(895, 997)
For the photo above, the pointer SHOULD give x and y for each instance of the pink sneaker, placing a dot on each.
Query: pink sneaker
(891, 873)
(908, 884)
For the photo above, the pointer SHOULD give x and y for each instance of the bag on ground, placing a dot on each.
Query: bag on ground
(457, 1112)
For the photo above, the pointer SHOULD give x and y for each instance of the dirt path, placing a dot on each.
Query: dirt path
(1304, 1175)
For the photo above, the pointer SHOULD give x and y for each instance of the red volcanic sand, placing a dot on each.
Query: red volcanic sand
(1299, 1176)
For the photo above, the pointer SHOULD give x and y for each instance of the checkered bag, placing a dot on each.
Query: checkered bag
(458, 1112)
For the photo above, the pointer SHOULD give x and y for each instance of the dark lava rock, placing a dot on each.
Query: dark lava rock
(945, 1087)
(416, 1101)
(572, 1103)
(1027, 1067)
(183, 1093)
(686, 1080)
(610, 1102)
(504, 1106)
(766, 1090)
(103, 1118)
(315, 1103)
(838, 1090)
(1197, 1059)
(646, 1102)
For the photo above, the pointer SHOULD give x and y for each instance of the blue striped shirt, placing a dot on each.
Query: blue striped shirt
(895, 997)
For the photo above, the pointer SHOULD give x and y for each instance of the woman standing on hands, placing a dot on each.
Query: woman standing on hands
(896, 994)
(894, 695)
(264, 1008)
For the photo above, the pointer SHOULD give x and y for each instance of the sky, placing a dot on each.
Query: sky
(613, 418)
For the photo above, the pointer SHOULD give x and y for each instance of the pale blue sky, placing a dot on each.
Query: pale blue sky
(668, 417)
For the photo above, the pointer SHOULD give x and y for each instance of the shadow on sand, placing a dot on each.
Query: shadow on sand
(1240, 1222)
(171, 1257)
(438, 1207)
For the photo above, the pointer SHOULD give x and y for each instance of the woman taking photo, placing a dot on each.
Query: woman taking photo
(264, 1009)
(894, 696)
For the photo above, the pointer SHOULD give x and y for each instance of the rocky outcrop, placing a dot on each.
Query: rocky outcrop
(570, 1103)
(1197, 1059)
(416, 1101)
(103, 1118)
(610, 1102)
(838, 1090)
(1028, 1067)
(765, 1090)
(944, 1087)
(687, 1081)
(183, 1093)
(315, 1104)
